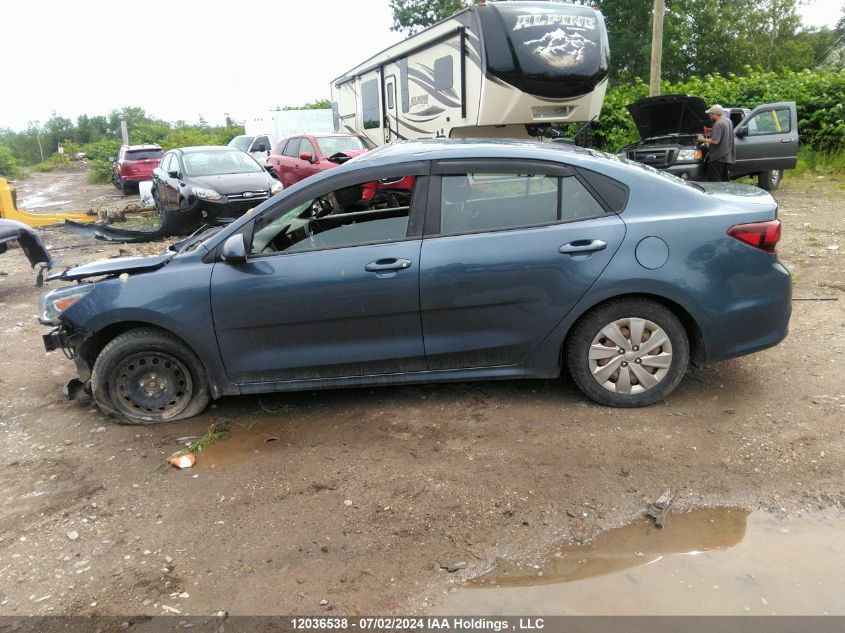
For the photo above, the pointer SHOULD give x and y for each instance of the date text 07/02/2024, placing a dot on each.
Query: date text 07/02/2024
(418, 624)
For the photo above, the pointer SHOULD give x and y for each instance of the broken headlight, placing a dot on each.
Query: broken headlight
(689, 155)
(53, 303)
(206, 194)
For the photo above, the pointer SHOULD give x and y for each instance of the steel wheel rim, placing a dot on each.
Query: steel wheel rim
(776, 176)
(630, 356)
(151, 384)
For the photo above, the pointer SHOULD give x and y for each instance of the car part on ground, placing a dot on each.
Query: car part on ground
(135, 164)
(9, 210)
(766, 138)
(30, 243)
(486, 260)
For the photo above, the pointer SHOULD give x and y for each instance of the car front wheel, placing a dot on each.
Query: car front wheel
(146, 376)
(628, 353)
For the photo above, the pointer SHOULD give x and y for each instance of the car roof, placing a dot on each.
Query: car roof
(445, 149)
(132, 148)
(206, 148)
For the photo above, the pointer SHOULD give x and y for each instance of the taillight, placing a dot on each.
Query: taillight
(762, 235)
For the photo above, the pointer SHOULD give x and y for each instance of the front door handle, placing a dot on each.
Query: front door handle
(583, 246)
(382, 265)
(786, 140)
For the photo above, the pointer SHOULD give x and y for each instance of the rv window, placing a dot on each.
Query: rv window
(491, 202)
(292, 148)
(369, 104)
(366, 213)
(443, 79)
(390, 95)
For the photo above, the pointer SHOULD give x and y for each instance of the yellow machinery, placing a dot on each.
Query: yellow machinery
(9, 211)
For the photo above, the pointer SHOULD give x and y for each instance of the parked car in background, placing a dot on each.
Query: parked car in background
(300, 156)
(134, 164)
(258, 146)
(208, 185)
(503, 260)
(766, 138)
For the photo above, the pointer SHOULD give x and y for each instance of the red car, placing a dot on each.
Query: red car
(134, 164)
(297, 157)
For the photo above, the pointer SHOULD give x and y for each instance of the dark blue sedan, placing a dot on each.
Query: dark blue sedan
(437, 261)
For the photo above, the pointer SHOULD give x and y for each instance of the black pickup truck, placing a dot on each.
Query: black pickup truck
(766, 138)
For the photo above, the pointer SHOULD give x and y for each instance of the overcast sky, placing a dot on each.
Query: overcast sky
(179, 59)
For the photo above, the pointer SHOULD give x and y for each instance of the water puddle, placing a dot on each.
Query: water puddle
(243, 446)
(709, 561)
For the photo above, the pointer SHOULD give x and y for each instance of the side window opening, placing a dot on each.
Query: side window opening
(770, 122)
(292, 148)
(488, 202)
(366, 213)
(577, 203)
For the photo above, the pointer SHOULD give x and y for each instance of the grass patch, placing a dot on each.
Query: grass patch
(214, 434)
(818, 163)
(814, 241)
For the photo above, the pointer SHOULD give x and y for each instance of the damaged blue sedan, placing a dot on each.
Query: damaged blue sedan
(436, 261)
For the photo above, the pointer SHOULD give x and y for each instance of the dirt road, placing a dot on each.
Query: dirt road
(360, 492)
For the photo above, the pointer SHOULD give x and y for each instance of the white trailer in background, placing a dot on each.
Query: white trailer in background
(263, 131)
(500, 69)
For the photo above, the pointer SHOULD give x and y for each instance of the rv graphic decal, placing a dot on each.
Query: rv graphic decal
(561, 49)
(551, 19)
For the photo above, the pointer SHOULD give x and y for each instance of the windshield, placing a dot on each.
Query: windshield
(144, 154)
(219, 162)
(331, 145)
(241, 142)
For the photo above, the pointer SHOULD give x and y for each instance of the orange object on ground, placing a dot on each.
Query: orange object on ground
(183, 461)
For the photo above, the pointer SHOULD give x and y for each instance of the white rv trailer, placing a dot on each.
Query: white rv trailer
(498, 69)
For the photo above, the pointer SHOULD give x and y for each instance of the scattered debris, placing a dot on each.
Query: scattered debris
(347, 502)
(659, 508)
(323, 602)
(183, 461)
(452, 565)
(271, 438)
(73, 535)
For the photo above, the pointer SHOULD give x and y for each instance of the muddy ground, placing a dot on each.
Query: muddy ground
(363, 491)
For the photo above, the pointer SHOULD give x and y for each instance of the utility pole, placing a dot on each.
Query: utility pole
(124, 132)
(656, 49)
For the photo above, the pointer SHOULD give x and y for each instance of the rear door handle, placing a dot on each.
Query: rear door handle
(583, 246)
(786, 140)
(382, 265)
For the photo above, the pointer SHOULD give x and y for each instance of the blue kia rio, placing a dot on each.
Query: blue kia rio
(433, 261)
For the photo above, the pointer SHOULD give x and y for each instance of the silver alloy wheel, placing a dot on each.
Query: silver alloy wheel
(777, 174)
(630, 356)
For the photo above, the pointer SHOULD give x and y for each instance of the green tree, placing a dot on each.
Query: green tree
(411, 16)
(9, 167)
(318, 104)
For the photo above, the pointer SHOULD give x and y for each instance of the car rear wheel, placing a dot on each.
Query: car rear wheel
(769, 180)
(628, 353)
(147, 376)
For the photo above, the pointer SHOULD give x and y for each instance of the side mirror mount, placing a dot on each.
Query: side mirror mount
(741, 132)
(234, 251)
(173, 173)
(305, 156)
(261, 147)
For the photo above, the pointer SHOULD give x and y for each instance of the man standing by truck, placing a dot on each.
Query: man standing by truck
(721, 141)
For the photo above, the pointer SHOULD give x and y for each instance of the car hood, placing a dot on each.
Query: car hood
(234, 183)
(669, 114)
(30, 243)
(114, 266)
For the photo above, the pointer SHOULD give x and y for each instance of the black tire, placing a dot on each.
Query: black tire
(636, 358)
(125, 188)
(115, 180)
(769, 180)
(147, 376)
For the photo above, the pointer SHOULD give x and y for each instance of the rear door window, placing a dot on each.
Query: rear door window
(489, 202)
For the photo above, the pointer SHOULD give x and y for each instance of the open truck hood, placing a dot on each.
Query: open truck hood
(669, 114)
(114, 266)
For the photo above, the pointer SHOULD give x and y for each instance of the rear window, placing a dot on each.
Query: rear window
(144, 154)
